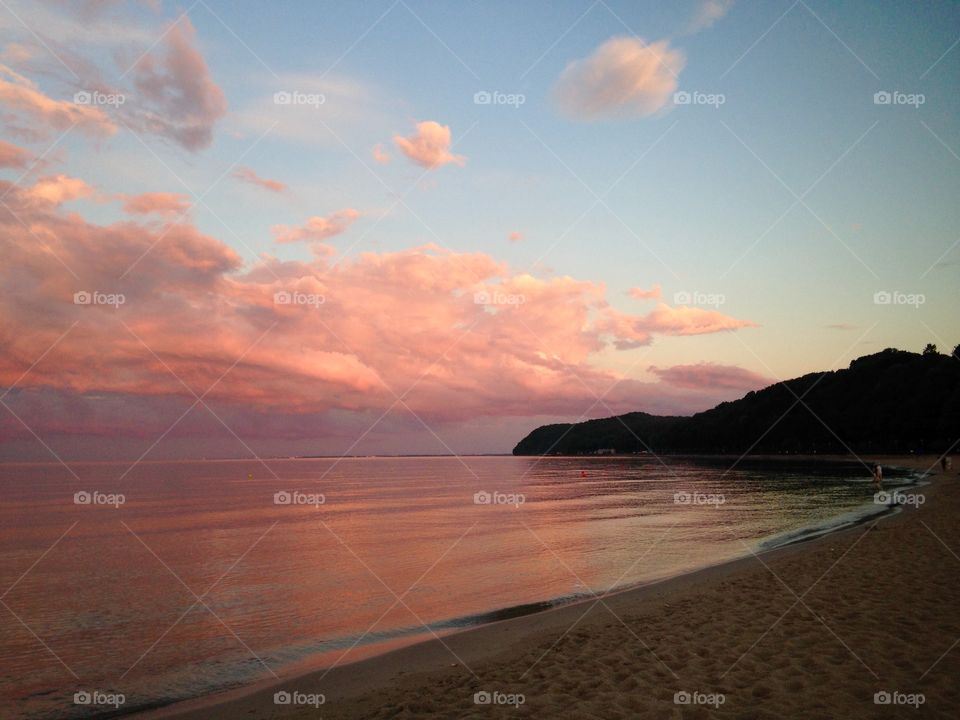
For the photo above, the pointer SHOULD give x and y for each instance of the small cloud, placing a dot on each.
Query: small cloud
(380, 155)
(317, 227)
(707, 376)
(58, 189)
(22, 97)
(155, 202)
(631, 331)
(429, 147)
(624, 77)
(12, 156)
(709, 12)
(515, 236)
(248, 175)
(653, 293)
(16, 54)
(186, 103)
(840, 326)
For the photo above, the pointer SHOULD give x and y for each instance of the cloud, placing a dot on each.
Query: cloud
(685, 320)
(155, 202)
(429, 147)
(12, 156)
(630, 331)
(624, 77)
(515, 236)
(16, 54)
(380, 155)
(45, 115)
(706, 376)
(709, 12)
(58, 189)
(653, 293)
(246, 174)
(478, 339)
(182, 102)
(317, 227)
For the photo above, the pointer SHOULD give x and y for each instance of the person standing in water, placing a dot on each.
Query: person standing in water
(878, 477)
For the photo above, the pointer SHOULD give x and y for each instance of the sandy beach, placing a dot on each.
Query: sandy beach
(822, 629)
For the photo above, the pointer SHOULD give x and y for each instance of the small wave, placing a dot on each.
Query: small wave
(859, 516)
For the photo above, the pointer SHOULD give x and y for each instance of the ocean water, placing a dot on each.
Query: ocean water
(208, 575)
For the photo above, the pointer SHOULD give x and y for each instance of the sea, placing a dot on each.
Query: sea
(134, 586)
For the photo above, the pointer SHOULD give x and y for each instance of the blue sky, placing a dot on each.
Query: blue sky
(799, 94)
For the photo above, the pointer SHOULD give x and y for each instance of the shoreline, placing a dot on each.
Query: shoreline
(348, 688)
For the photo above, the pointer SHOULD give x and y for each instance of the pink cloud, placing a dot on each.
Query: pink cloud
(653, 293)
(155, 202)
(16, 54)
(317, 227)
(711, 376)
(692, 321)
(429, 147)
(248, 175)
(630, 331)
(22, 97)
(58, 189)
(12, 156)
(515, 236)
(380, 155)
(624, 77)
(184, 103)
(476, 338)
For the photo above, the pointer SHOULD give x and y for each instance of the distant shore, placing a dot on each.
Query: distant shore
(808, 630)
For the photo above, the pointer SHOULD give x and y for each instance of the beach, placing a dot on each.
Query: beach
(859, 623)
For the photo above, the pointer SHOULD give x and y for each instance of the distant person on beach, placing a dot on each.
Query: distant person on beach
(878, 477)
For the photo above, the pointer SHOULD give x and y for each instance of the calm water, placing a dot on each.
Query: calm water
(200, 581)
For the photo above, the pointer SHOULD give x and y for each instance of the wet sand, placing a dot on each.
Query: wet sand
(814, 630)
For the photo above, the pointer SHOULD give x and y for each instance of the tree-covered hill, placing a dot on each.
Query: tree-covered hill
(892, 401)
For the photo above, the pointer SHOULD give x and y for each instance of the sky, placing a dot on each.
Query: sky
(232, 229)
